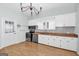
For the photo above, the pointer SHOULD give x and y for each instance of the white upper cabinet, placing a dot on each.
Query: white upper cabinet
(47, 23)
(51, 25)
(70, 19)
(65, 20)
(59, 20)
(40, 25)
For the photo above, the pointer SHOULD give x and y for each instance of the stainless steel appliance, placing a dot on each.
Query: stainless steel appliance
(35, 38)
(30, 33)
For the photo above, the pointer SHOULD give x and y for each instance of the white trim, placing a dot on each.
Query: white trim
(78, 52)
(12, 44)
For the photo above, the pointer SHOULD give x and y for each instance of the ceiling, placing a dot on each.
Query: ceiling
(47, 7)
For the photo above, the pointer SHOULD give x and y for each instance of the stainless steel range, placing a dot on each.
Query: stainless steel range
(30, 35)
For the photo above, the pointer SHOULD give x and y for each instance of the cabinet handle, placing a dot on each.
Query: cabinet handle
(47, 25)
(44, 25)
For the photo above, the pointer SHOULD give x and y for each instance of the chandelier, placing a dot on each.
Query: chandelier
(31, 8)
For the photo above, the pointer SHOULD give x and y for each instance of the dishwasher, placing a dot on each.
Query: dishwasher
(35, 38)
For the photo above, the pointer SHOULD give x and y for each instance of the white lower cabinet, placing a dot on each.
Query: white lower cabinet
(58, 41)
(69, 43)
(51, 40)
(43, 39)
(54, 41)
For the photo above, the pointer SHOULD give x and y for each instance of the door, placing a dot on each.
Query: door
(8, 31)
(21, 33)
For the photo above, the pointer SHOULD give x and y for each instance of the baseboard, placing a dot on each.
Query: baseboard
(78, 52)
(11, 44)
(1, 47)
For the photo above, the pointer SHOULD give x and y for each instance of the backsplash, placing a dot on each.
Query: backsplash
(59, 29)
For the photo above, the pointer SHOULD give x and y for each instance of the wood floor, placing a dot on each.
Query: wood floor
(34, 49)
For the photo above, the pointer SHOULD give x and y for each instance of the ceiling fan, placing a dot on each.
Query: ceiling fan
(31, 8)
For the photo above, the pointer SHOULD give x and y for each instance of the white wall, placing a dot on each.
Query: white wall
(18, 17)
(51, 9)
(77, 24)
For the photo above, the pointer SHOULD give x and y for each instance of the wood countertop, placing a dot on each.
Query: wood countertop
(57, 34)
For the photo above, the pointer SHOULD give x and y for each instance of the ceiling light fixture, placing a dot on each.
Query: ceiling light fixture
(31, 8)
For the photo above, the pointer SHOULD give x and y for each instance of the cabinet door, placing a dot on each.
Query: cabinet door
(54, 41)
(66, 20)
(46, 41)
(51, 25)
(40, 25)
(43, 39)
(40, 39)
(59, 19)
(51, 41)
(57, 41)
(70, 19)
(69, 43)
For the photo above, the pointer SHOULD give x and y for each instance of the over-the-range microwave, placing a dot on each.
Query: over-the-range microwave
(32, 27)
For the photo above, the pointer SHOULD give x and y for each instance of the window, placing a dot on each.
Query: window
(9, 27)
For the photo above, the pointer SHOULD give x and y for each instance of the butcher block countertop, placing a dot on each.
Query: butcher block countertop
(57, 34)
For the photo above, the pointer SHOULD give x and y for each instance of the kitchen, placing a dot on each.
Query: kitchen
(54, 27)
(48, 34)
